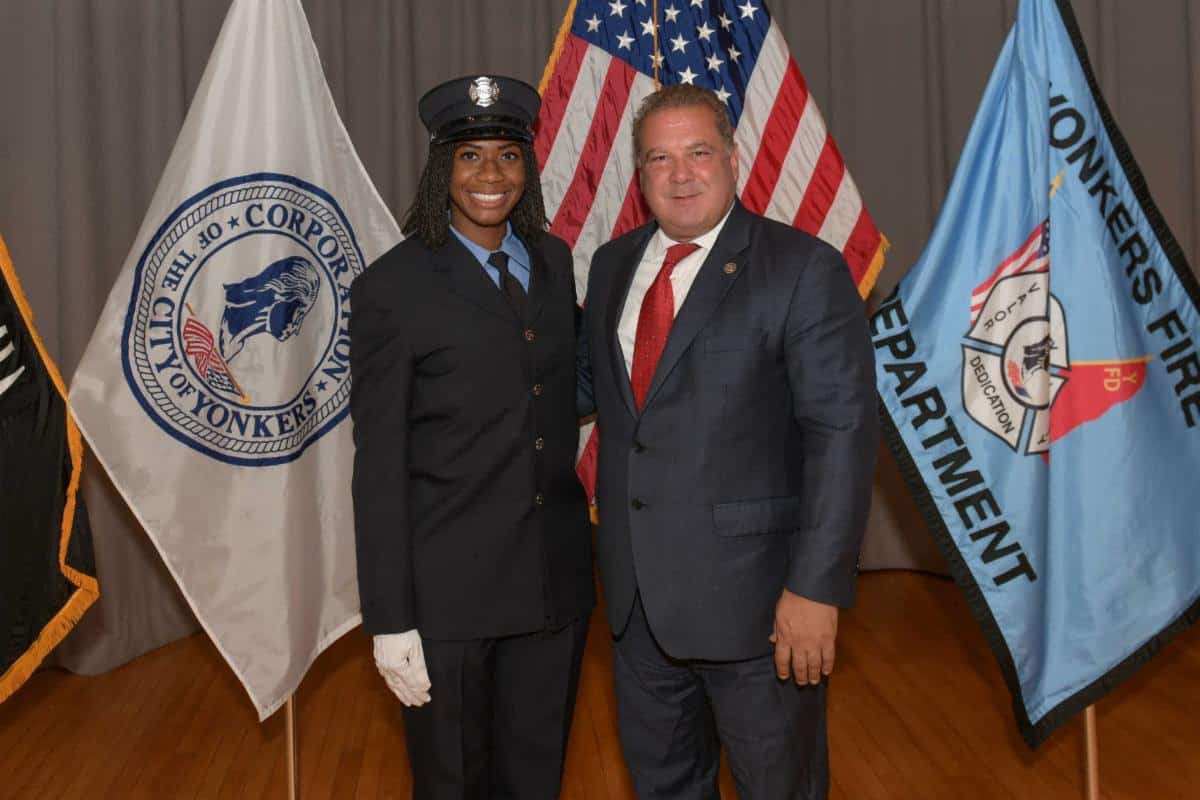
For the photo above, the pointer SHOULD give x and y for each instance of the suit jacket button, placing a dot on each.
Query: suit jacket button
(638, 446)
(530, 335)
(637, 504)
(539, 443)
(539, 499)
(537, 390)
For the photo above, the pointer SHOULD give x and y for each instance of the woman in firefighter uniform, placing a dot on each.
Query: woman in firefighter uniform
(473, 543)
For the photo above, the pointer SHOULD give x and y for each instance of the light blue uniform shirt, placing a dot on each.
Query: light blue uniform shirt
(518, 256)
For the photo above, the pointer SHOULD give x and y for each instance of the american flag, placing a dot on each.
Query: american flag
(200, 346)
(1032, 256)
(606, 60)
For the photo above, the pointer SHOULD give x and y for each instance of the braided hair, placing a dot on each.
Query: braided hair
(427, 219)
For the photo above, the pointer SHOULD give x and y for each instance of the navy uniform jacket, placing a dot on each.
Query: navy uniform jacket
(469, 519)
(750, 467)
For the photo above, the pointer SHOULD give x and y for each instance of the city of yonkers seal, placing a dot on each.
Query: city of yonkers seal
(236, 342)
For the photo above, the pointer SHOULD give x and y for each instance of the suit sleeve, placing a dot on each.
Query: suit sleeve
(381, 374)
(831, 370)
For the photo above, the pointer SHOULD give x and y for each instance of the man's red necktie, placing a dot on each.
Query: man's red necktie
(654, 323)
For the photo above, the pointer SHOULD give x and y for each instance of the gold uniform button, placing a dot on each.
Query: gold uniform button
(530, 335)
(539, 443)
(537, 390)
(539, 499)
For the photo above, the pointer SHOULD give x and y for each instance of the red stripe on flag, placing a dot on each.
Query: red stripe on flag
(821, 189)
(557, 96)
(601, 138)
(861, 247)
(982, 288)
(198, 329)
(776, 140)
(634, 211)
(1033, 237)
(1034, 263)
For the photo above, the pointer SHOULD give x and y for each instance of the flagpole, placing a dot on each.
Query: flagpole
(654, 59)
(292, 762)
(1092, 753)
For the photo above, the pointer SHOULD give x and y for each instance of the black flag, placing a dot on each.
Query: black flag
(47, 570)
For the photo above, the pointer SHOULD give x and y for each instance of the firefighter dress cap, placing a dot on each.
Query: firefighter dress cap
(480, 107)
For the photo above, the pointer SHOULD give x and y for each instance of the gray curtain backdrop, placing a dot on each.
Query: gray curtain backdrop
(93, 92)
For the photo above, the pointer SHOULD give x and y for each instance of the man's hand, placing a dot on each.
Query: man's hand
(400, 659)
(804, 636)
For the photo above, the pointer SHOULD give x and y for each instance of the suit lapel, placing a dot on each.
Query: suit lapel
(709, 289)
(468, 280)
(618, 290)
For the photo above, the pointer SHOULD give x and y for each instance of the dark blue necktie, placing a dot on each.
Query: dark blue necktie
(510, 286)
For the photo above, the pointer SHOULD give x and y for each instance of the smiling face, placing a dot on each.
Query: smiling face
(687, 173)
(487, 179)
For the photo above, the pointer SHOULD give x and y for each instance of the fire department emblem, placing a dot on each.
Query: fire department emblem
(483, 92)
(1015, 355)
(1018, 380)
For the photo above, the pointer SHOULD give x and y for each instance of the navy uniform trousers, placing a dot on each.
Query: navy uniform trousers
(671, 712)
(500, 710)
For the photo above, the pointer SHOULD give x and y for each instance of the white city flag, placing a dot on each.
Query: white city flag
(215, 388)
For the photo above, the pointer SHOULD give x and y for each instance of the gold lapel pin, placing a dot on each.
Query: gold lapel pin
(730, 268)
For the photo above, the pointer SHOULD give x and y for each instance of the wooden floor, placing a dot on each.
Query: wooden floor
(917, 710)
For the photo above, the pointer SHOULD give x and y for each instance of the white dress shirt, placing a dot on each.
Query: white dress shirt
(682, 278)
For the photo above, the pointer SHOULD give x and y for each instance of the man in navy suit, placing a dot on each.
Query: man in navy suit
(733, 378)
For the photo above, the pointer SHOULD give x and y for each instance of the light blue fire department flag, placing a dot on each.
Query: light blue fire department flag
(1040, 366)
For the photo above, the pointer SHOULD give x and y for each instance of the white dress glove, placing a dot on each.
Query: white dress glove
(400, 659)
